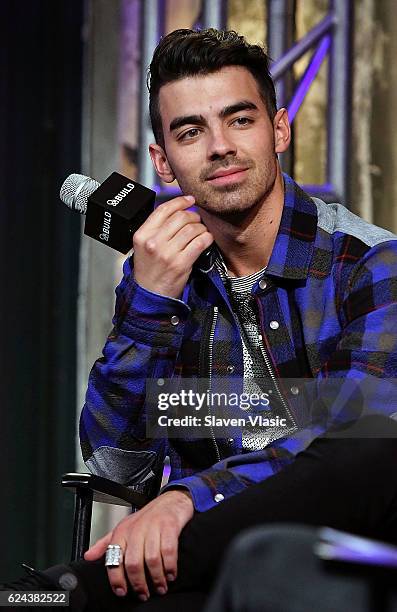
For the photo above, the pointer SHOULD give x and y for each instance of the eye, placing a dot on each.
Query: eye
(242, 121)
(189, 134)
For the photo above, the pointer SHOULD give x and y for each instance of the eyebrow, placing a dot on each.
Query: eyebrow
(236, 108)
(199, 119)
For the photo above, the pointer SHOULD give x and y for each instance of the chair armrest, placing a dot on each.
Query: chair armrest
(104, 490)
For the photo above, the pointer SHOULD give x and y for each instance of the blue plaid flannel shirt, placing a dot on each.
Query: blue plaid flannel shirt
(332, 288)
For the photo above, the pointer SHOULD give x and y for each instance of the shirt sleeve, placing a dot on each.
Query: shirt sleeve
(143, 344)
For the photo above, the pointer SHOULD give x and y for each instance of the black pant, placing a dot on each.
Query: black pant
(345, 483)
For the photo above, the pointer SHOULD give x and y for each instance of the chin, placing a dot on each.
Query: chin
(226, 209)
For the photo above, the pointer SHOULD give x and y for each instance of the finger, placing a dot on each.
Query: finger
(164, 211)
(153, 236)
(116, 574)
(135, 569)
(185, 235)
(176, 257)
(173, 251)
(169, 553)
(154, 561)
(196, 246)
(98, 549)
(178, 220)
(179, 203)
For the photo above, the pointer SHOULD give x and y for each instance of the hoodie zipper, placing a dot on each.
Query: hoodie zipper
(270, 370)
(210, 359)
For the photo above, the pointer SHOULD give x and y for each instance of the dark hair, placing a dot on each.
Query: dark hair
(185, 53)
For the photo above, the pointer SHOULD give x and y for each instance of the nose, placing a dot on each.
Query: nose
(220, 143)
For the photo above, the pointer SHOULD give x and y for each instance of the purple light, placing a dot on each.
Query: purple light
(169, 190)
(166, 472)
(308, 77)
(164, 193)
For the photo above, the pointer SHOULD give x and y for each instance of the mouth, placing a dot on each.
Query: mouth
(225, 176)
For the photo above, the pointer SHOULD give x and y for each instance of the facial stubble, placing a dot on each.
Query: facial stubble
(228, 200)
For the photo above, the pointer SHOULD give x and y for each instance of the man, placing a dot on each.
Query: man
(294, 288)
(223, 149)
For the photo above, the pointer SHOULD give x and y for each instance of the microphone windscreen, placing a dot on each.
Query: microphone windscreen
(76, 190)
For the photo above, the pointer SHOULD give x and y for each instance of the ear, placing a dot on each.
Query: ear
(160, 163)
(282, 131)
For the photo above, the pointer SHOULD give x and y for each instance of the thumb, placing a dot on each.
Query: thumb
(98, 549)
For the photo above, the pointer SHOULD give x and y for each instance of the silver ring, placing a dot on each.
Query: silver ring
(114, 555)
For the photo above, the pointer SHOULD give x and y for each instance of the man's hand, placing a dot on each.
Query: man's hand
(167, 245)
(148, 537)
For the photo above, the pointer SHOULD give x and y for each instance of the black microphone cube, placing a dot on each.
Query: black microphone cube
(116, 210)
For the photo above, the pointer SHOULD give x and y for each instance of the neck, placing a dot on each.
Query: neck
(247, 240)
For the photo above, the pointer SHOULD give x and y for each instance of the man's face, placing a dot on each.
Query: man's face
(219, 140)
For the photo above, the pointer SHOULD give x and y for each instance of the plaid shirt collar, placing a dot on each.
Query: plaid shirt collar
(294, 245)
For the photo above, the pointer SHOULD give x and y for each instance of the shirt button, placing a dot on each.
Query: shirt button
(274, 324)
(160, 382)
(262, 283)
(174, 320)
(219, 497)
(230, 369)
(295, 390)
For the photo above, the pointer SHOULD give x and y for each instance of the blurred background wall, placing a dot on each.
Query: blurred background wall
(72, 99)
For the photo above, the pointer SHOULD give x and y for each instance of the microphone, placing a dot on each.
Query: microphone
(114, 209)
